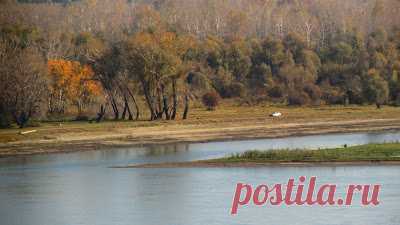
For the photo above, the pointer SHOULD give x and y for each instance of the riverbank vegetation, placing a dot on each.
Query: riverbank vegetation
(157, 60)
(364, 153)
(357, 155)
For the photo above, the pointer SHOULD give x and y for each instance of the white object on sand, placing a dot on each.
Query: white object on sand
(276, 114)
(28, 132)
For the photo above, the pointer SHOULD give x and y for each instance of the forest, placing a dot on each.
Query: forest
(101, 60)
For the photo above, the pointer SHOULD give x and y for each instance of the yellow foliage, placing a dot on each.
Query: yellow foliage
(72, 79)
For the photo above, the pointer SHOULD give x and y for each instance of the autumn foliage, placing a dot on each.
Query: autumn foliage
(72, 83)
(155, 59)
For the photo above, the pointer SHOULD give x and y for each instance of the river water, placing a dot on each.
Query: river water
(80, 188)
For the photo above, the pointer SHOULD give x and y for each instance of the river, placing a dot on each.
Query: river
(81, 188)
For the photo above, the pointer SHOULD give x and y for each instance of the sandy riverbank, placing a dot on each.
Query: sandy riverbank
(84, 137)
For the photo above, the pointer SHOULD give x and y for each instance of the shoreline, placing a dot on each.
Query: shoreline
(228, 123)
(207, 164)
(190, 134)
(361, 155)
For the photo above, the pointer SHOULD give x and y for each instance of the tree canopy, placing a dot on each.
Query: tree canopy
(154, 59)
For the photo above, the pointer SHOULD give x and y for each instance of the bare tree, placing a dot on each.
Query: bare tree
(22, 80)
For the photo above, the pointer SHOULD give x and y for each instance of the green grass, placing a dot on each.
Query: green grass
(371, 152)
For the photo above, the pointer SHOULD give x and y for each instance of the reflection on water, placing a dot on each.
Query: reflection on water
(188, 152)
(79, 188)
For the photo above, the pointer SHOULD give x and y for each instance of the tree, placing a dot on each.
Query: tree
(152, 63)
(261, 77)
(237, 61)
(22, 84)
(237, 25)
(73, 83)
(22, 75)
(376, 89)
(146, 18)
(168, 53)
(110, 70)
(211, 100)
(87, 47)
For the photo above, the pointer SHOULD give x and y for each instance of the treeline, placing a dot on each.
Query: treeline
(130, 60)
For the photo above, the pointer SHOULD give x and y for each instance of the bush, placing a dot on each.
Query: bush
(275, 92)
(211, 100)
(298, 98)
(82, 117)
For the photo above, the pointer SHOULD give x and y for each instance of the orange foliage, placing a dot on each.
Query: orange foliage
(72, 81)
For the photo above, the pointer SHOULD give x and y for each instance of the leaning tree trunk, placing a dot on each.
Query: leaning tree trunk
(101, 114)
(127, 109)
(160, 108)
(174, 99)
(149, 101)
(165, 104)
(135, 103)
(115, 107)
(130, 116)
(124, 112)
(186, 110)
(153, 111)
